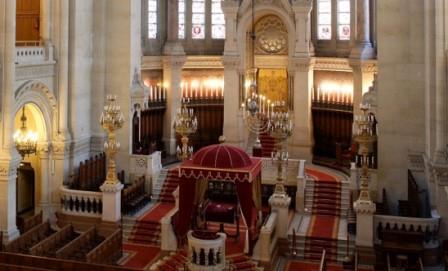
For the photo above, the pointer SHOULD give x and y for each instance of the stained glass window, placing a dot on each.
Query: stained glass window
(218, 21)
(152, 19)
(198, 19)
(324, 19)
(344, 19)
(181, 33)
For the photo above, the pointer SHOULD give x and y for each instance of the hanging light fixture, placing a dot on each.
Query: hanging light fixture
(25, 139)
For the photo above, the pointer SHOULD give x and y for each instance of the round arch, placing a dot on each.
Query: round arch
(260, 11)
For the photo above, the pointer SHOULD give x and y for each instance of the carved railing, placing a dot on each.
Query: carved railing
(50, 244)
(33, 53)
(79, 202)
(428, 226)
(109, 251)
(267, 239)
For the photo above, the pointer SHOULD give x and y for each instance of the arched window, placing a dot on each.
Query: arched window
(333, 16)
(344, 19)
(218, 21)
(204, 19)
(198, 19)
(152, 19)
(181, 33)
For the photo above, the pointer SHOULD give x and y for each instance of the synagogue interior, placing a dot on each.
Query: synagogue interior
(237, 135)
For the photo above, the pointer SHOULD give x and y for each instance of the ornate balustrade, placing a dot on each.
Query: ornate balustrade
(27, 54)
(428, 226)
(267, 240)
(206, 251)
(79, 202)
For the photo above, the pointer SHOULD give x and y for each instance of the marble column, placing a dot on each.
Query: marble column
(172, 76)
(302, 141)
(363, 48)
(44, 199)
(9, 159)
(233, 128)
(45, 20)
(172, 45)
(302, 15)
(230, 10)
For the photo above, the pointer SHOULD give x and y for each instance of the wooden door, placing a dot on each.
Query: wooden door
(27, 20)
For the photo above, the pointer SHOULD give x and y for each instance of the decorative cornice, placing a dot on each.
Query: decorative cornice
(204, 62)
(25, 72)
(332, 64)
(152, 63)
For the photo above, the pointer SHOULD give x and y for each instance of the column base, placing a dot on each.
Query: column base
(10, 235)
(363, 51)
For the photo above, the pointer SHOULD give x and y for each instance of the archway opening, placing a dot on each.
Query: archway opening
(29, 180)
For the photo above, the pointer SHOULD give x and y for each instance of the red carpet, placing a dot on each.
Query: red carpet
(147, 228)
(267, 144)
(320, 175)
(322, 226)
(141, 256)
(169, 185)
(293, 265)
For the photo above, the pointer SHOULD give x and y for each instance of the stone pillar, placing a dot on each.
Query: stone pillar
(172, 76)
(45, 20)
(230, 10)
(363, 72)
(363, 48)
(111, 202)
(364, 231)
(233, 128)
(280, 204)
(302, 14)
(44, 203)
(302, 142)
(60, 168)
(301, 182)
(9, 159)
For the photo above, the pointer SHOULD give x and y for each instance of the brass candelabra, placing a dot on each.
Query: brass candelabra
(364, 135)
(256, 110)
(185, 124)
(280, 127)
(111, 120)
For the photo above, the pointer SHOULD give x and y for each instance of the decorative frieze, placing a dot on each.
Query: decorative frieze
(25, 72)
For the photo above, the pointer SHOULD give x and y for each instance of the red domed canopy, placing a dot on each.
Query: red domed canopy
(221, 156)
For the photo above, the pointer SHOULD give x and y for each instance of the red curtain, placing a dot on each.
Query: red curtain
(182, 223)
(244, 191)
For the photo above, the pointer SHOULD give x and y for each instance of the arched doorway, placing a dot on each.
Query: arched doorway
(31, 172)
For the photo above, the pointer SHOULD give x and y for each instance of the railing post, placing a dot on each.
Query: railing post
(301, 183)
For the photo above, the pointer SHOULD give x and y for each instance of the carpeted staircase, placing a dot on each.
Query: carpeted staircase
(165, 185)
(175, 261)
(324, 224)
(267, 144)
(241, 262)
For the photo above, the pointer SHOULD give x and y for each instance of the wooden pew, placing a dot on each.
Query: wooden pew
(78, 248)
(29, 262)
(49, 246)
(27, 223)
(109, 251)
(30, 238)
(134, 196)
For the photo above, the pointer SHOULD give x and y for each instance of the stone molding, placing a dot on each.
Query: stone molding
(39, 87)
(204, 62)
(26, 72)
(369, 65)
(364, 207)
(231, 62)
(332, 64)
(152, 63)
(111, 188)
(174, 61)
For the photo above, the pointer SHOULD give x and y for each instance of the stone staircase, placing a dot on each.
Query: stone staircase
(174, 262)
(142, 232)
(165, 185)
(242, 263)
(327, 198)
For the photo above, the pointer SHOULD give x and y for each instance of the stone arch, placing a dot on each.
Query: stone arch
(37, 93)
(260, 11)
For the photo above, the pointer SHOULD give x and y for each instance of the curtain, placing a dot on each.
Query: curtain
(187, 192)
(201, 188)
(256, 192)
(244, 192)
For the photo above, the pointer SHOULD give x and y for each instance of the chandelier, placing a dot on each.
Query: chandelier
(365, 136)
(25, 139)
(185, 124)
(280, 127)
(111, 120)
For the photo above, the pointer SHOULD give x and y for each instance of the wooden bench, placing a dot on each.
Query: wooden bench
(79, 247)
(49, 246)
(134, 196)
(26, 223)
(30, 238)
(109, 251)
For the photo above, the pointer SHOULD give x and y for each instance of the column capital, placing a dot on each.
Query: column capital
(230, 7)
(43, 149)
(60, 148)
(301, 64)
(279, 201)
(363, 65)
(231, 61)
(302, 6)
(174, 61)
(367, 207)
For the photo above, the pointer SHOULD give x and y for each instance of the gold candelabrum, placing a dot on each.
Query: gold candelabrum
(111, 120)
(364, 135)
(185, 124)
(280, 127)
(256, 111)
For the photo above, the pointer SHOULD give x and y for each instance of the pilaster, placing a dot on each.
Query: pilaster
(230, 10)
(302, 14)
(363, 48)
(233, 127)
(172, 75)
(364, 230)
(302, 142)
(111, 202)
(363, 74)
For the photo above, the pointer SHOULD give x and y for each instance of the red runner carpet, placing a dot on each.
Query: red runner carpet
(141, 256)
(323, 226)
(320, 175)
(313, 266)
(157, 212)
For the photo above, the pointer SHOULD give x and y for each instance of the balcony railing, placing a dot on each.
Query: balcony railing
(33, 53)
(82, 203)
